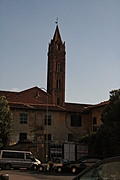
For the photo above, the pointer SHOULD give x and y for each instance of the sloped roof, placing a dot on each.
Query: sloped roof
(50, 107)
(104, 103)
(36, 98)
(75, 107)
(57, 35)
(33, 95)
(33, 98)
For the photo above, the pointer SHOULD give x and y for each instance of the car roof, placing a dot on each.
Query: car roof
(7, 150)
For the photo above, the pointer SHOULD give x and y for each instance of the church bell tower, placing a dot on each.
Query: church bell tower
(56, 69)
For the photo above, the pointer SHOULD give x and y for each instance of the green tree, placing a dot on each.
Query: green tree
(106, 141)
(6, 121)
(111, 114)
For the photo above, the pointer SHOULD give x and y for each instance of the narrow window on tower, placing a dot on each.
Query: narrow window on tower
(58, 67)
(57, 101)
(58, 46)
(58, 83)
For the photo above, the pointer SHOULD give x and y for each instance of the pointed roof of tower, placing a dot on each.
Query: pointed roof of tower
(57, 35)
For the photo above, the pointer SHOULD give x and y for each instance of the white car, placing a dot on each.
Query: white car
(18, 159)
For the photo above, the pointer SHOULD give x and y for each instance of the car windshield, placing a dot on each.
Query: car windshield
(106, 171)
(82, 159)
(65, 161)
(30, 156)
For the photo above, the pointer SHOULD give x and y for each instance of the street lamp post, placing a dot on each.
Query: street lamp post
(46, 125)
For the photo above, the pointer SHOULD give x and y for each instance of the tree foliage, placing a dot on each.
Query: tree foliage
(106, 141)
(6, 121)
(111, 114)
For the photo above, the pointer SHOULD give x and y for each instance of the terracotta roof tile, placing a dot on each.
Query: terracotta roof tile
(36, 98)
(30, 96)
(104, 103)
(75, 107)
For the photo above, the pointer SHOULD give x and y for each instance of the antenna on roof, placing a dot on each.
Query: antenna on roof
(56, 21)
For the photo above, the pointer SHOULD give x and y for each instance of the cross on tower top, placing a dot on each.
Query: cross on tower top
(56, 21)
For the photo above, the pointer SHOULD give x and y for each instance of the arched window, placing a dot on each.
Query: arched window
(58, 101)
(58, 46)
(58, 83)
(58, 67)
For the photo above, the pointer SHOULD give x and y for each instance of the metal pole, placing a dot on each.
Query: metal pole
(47, 131)
(46, 125)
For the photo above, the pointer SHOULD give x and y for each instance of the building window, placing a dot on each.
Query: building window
(23, 118)
(94, 124)
(76, 120)
(49, 120)
(58, 67)
(22, 136)
(57, 101)
(58, 46)
(58, 83)
(70, 137)
(49, 137)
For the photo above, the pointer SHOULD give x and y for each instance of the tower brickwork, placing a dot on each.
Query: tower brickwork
(56, 69)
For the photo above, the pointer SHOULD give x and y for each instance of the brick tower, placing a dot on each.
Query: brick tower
(56, 69)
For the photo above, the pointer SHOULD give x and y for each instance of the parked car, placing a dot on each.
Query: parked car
(107, 169)
(59, 165)
(18, 159)
(83, 163)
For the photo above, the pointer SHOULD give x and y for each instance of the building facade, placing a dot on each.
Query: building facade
(43, 117)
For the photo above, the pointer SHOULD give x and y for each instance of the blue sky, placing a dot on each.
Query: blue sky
(91, 31)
